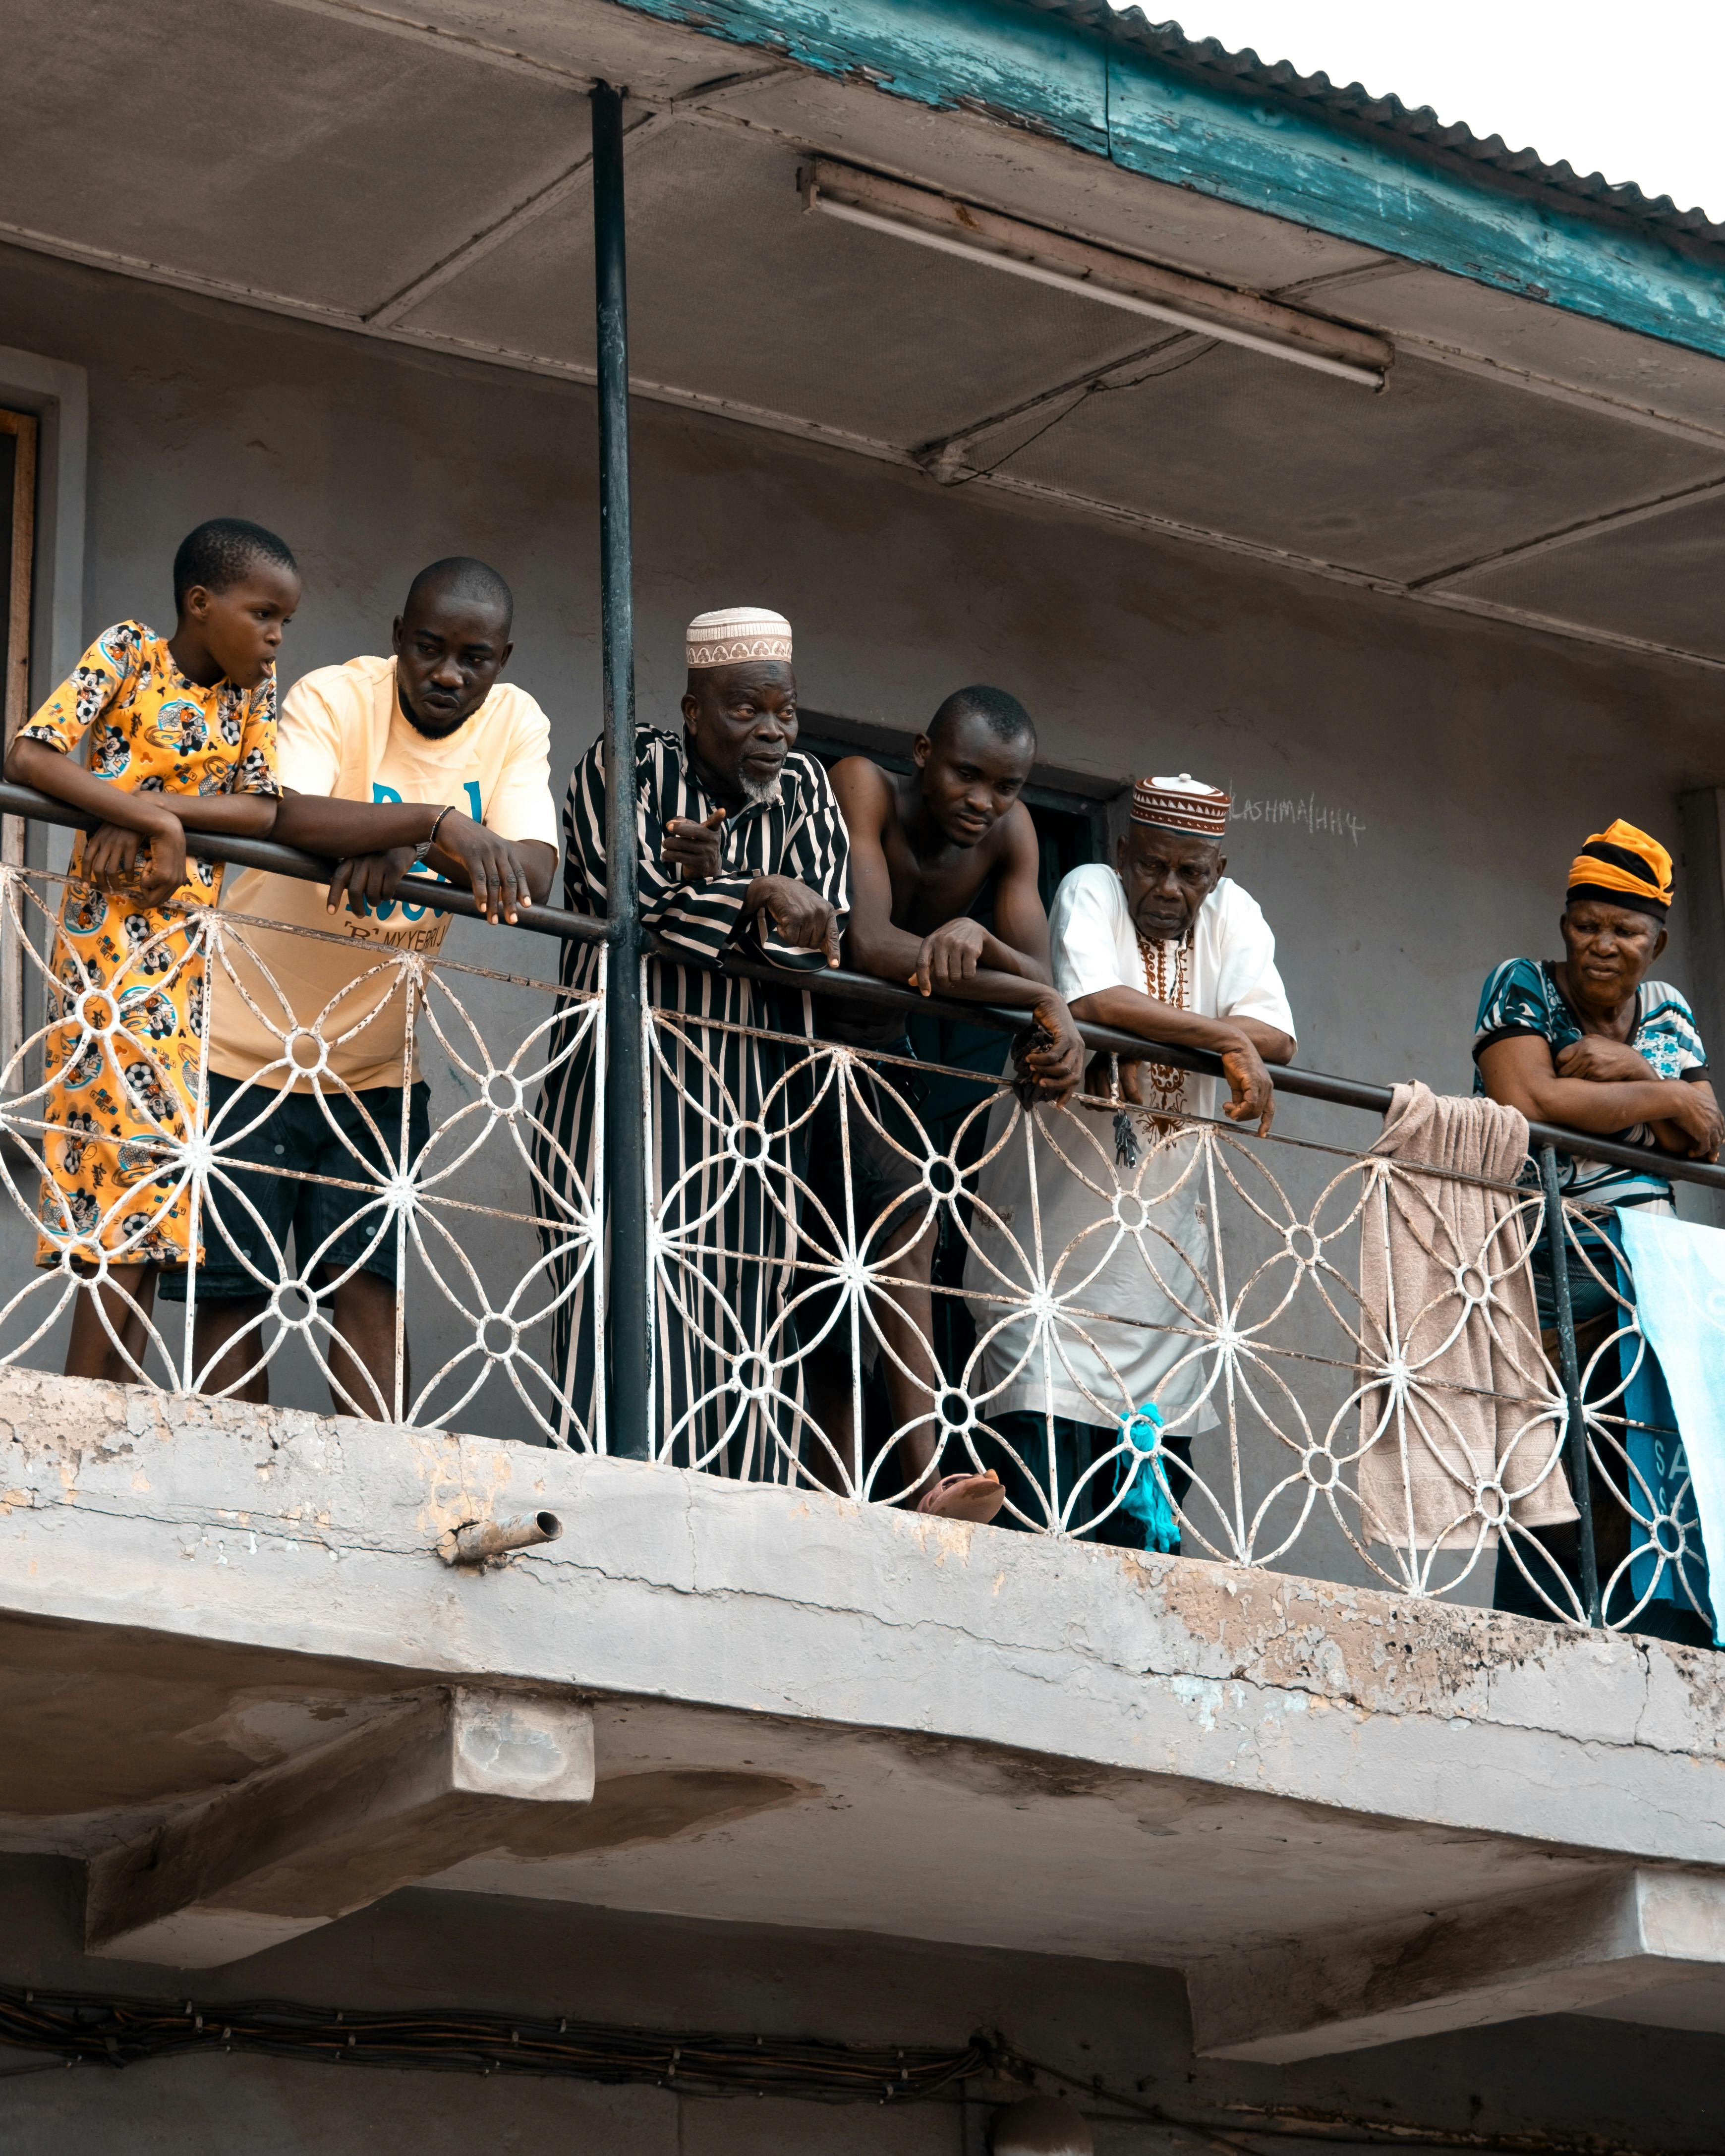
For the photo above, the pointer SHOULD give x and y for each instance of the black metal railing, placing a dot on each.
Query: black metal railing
(861, 991)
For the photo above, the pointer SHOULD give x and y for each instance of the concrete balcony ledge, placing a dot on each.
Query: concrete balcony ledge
(799, 1711)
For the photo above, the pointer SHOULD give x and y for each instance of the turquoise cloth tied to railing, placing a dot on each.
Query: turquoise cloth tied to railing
(1140, 1474)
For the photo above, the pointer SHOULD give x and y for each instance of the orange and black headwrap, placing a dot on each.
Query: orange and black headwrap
(1625, 867)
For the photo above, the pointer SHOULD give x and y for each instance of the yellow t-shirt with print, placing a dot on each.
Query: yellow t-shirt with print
(343, 733)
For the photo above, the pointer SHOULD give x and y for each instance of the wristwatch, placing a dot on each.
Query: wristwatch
(422, 852)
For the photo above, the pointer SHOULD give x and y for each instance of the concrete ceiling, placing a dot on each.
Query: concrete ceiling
(749, 1819)
(755, 1818)
(925, 1839)
(426, 183)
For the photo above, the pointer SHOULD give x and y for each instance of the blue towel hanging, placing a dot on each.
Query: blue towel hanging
(1661, 1479)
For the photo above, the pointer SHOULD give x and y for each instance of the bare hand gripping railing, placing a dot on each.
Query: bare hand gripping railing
(1308, 1424)
(860, 989)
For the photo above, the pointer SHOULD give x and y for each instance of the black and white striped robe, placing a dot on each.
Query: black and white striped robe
(729, 1227)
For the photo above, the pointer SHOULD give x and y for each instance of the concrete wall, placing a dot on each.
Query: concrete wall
(1451, 766)
(1580, 2082)
(1474, 757)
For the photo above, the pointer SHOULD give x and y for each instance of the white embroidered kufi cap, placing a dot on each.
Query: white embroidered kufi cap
(736, 634)
(1184, 804)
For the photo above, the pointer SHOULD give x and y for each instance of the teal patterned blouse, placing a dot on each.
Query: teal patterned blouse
(1522, 996)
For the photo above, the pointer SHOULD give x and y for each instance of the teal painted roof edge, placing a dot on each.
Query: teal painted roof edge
(1110, 86)
(1352, 102)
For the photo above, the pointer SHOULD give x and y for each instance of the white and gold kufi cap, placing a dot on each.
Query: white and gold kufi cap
(736, 634)
(1184, 804)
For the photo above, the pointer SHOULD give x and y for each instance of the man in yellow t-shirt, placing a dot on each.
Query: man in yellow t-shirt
(423, 760)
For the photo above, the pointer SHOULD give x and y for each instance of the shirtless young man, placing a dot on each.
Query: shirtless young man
(923, 847)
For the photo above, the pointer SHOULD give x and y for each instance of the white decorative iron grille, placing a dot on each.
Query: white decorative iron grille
(870, 1270)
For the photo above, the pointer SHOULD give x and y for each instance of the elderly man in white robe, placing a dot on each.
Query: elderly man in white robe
(1095, 1211)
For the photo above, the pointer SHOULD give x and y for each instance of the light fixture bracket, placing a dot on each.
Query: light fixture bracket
(1093, 272)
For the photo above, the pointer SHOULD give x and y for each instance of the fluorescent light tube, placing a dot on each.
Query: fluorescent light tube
(1100, 273)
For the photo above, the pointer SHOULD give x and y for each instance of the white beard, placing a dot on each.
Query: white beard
(756, 792)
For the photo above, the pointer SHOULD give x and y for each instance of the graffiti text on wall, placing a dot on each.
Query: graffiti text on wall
(1308, 814)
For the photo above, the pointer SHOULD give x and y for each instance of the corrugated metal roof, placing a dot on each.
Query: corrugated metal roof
(1207, 57)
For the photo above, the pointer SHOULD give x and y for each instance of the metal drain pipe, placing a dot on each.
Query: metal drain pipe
(480, 1541)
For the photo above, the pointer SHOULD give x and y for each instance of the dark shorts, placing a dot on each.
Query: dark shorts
(887, 1150)
(299, 1136)
(1595, 1252)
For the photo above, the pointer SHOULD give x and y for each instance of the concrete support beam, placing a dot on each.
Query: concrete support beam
(1554, 1952)
(446, 1775)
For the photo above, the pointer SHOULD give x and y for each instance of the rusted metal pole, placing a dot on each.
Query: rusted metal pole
(629, 1294)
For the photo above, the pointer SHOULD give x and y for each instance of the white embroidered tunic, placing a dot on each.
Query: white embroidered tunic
(1124, 1252)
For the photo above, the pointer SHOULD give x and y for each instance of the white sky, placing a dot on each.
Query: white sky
(1632, 91)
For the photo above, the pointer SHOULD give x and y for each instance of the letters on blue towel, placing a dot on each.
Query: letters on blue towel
(1677, 1270)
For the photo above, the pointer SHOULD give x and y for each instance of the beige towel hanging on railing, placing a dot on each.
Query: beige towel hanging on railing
(1474, 1425)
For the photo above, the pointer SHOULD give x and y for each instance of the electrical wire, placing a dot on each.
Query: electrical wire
(1259, 2123)
(1096, 387)
(124, 2032)
(86, 2028)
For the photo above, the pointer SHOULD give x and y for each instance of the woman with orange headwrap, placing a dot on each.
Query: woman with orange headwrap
(1588, 1042)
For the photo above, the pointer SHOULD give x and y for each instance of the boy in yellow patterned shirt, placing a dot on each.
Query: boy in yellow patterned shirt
(182, 738)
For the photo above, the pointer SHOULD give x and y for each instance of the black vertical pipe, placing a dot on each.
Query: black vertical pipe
(628, 1305)
(1569, 1363)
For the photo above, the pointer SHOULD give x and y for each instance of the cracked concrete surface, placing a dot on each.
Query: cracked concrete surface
(1169, 1758)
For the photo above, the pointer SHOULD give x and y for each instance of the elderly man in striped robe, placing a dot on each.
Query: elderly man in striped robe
(742, 851)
